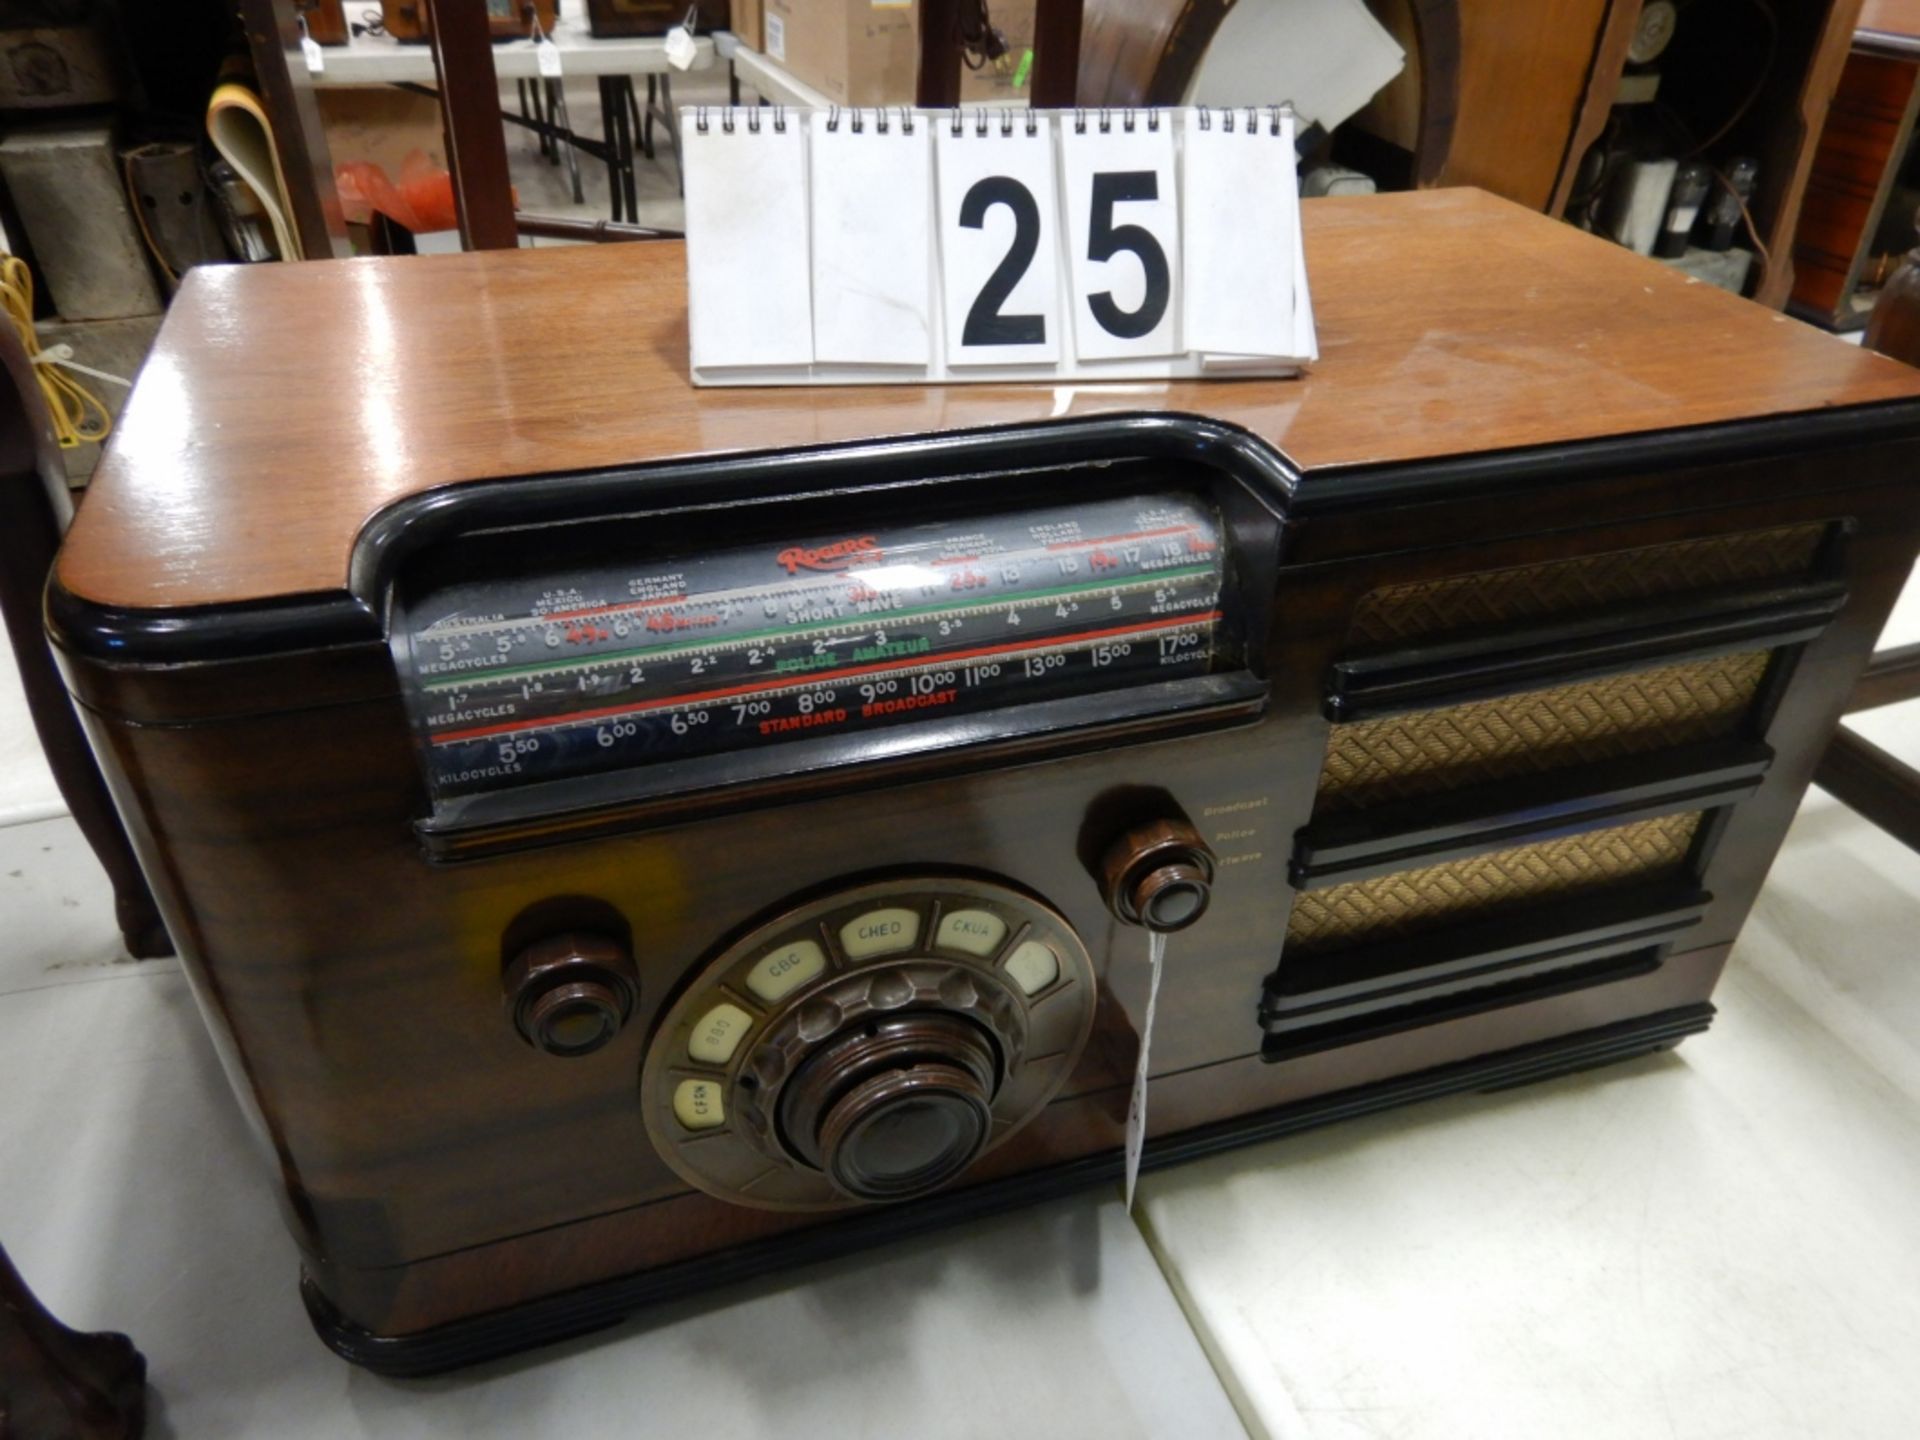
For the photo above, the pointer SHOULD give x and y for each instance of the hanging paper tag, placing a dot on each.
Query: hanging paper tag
(1137, 1106)
(680, 47)
(310, 49)
(546, 55)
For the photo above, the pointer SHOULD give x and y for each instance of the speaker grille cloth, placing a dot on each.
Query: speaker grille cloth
(1530, 592)
(1398, 756)
(1412, 900)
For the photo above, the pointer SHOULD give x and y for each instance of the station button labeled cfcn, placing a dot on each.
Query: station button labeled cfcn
(697, 1105)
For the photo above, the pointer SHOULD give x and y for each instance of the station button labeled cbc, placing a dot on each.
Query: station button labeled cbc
(780, 972)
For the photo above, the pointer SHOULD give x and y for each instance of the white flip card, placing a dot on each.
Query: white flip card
(1240, 217)
(999, 241)
(1123, 215)
(1137, 1105)
(872, 237)
(748, 277)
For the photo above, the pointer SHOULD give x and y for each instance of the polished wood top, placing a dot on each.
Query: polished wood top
(286, 404)
(1889, 25)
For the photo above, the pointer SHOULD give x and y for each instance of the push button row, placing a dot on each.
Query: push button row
(895, 929)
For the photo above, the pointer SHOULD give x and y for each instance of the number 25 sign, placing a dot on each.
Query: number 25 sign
(916, 246)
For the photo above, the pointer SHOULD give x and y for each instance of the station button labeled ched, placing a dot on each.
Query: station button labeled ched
(880, 932)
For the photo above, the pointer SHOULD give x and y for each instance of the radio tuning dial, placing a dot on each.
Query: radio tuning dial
(895, 1108)
(1159, 876)
(570, 994)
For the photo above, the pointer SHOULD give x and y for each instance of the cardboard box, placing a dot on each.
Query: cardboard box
(1012, 79)
(854, 52)
(745, 22)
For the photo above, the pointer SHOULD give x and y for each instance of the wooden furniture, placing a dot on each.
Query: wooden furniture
(1512, 95)
(412, 21)
(1881, 786)
(1839, 248)
(286, 90)
(326, 20)
(476, 140)
(653, 17)
(1519, 678)
(1056, 51)
(33, 509)
(61, 1384)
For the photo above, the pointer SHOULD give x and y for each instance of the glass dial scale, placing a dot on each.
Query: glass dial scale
(612, 665)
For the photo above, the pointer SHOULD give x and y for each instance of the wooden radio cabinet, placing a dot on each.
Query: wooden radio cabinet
(625, 836)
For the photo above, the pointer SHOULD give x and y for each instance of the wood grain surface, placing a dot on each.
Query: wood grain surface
(285, 404)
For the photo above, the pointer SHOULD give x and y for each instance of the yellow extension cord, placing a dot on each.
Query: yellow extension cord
(78, 415)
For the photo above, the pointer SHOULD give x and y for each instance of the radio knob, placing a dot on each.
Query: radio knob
(895, 1108)
(1159, 876)
(570, 994)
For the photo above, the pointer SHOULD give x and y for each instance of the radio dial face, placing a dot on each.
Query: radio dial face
(868, 1046)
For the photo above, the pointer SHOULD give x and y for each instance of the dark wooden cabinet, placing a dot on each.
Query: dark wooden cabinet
(1548, 599)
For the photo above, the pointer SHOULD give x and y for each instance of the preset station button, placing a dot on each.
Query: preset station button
(778, 973)
(971, 932)
(880, 932)
(1033, 966)
(719, 1033)
(697, 1105)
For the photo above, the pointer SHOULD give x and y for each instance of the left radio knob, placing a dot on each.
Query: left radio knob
(570, 994)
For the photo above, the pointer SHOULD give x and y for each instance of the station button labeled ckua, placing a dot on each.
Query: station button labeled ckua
(971, 932)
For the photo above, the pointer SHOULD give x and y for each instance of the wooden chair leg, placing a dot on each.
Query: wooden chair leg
(29, 537)
(1880, 787)
(61, 1384)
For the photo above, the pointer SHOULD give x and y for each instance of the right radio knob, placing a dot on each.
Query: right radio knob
(1159, 875)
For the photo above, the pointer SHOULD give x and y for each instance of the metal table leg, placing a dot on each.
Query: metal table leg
(660, 104)
(557, 113)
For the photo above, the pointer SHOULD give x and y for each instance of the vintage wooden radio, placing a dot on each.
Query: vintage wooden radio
(325, 21)
(626, 837)
(655, 17)
(411, 22)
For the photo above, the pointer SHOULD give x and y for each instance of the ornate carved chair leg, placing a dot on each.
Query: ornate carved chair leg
(61, 1384)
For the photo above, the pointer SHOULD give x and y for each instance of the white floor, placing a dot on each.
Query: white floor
(1720, 1242)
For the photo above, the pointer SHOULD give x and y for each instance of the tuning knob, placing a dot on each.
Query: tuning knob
(894, 1108)
(1159, 876)
(570, 994)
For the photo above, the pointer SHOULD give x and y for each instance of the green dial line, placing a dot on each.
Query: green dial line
(472, 678)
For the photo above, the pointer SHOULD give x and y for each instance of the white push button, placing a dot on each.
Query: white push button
(697, 1104)
(880, 932)
(778, 973)
(1033, 966)
(971, 932)
(719, 1034)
